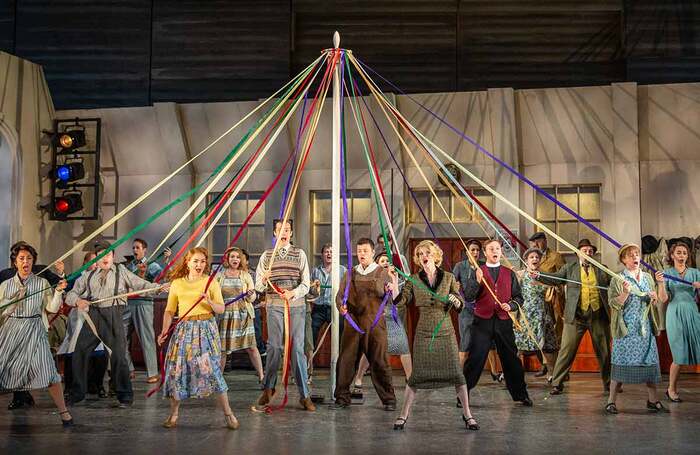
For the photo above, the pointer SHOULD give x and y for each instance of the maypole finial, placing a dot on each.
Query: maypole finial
(336, 39)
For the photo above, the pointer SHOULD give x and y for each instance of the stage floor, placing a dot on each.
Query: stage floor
(570, 423)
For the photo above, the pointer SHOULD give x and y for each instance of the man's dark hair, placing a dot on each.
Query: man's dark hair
(141, 241)
(365, 241)
(279, 221)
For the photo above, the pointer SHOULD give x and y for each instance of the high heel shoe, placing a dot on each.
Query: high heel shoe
(673, 400)
(66, 423)
(171, 422)
(231, 422)
(470, 423)
(401, 425)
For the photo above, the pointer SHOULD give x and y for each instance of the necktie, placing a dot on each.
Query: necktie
(585, 268)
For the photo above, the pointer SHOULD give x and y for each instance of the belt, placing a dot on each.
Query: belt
(198, 317)
(26, 317)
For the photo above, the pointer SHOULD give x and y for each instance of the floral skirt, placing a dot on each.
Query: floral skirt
(192, 364)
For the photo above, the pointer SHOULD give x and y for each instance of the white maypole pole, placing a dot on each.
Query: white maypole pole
(335, 218)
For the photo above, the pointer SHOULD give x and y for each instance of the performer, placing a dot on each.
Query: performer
(25, 358)
(536, 334)
(554, 295)
(682, 317)
(192, 362)
(435, 361)
(368, 285)
(635, 358)
(397, 340)
(21, 399)
(586, 310)
(138, 313)
(320, 296)
(236, 323)
(97, 366)
(290, 274)
(492, 322)
(108, 280)
(463, 272)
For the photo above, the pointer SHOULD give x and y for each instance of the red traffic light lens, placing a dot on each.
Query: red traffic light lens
(62, 205)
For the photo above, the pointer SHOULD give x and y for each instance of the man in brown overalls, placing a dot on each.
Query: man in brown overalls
(368, 285)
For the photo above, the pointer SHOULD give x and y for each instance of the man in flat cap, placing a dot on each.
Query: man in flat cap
(586, 311)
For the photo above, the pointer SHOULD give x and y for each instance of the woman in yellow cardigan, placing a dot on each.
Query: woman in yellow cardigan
(192, 364)
(633, 300)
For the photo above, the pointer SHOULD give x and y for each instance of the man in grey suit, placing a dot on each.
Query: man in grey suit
(586, 310)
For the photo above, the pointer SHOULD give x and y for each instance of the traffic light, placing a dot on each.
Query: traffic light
(68, 172)
(67, 204)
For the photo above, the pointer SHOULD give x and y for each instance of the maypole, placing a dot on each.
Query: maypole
(335, 217)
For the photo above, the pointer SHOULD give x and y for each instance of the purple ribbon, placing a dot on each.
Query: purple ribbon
(380, 311)
(516, 173)
(395, 314)
(343, 193)
(235, 299)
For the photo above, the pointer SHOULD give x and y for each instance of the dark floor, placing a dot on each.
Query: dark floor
(570, 423)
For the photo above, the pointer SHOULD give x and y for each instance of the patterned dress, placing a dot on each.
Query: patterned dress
(397, 341)
(237, 323)
(683, 318)
(540, 321)
(438, 366)
(635, 358)
(192, 362)
(25, 357)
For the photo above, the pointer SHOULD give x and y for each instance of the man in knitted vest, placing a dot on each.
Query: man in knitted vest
(290, 275)
(493, 324)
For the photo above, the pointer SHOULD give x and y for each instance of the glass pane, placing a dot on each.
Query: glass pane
(544, 207)
(259, 217)
(413, 213)
(487, 200)
(569, 232)
(238, 210)
(322, 235)
(322, 207)
(256, 239)
(357, 231)
(438, 214)
(361, 210)
(218, 239)
(589, 201)
(460, 212)
(569, 197)
(587, 233)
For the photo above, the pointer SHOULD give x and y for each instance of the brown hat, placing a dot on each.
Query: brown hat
(101, 245)
(586, 242)
(624, 248)
(532, 250)
(537, 236)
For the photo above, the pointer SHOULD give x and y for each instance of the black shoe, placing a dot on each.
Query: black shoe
(542, 372)
(526, 402)
(339, 405)
(494, 377)
(16, 404)
(500, 377)
(470, 423)
(557, 390)
(66, 423)
(102, 393)
(610, 408)
(656, 407)
(400, 423)
(673, 400)
(391, 406)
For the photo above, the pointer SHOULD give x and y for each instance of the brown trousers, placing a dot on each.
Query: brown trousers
(373, 344)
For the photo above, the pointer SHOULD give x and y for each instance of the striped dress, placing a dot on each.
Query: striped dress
(25, 357)
(236, 324)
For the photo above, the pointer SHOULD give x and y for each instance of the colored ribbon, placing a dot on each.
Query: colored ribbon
(380, 311)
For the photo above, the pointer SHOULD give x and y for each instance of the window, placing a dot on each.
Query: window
(583, 199)
(458, 213)
(252, 239)
(360, 205)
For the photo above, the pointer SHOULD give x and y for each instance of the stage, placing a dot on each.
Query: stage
(570, 423)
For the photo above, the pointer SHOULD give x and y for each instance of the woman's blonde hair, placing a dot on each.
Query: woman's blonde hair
(241, 256)
(432, 246)
(182, 270)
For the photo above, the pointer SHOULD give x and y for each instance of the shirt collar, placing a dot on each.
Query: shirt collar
(366, 271)
(493, 266)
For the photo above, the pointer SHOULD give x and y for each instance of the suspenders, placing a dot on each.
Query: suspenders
(116, 284)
